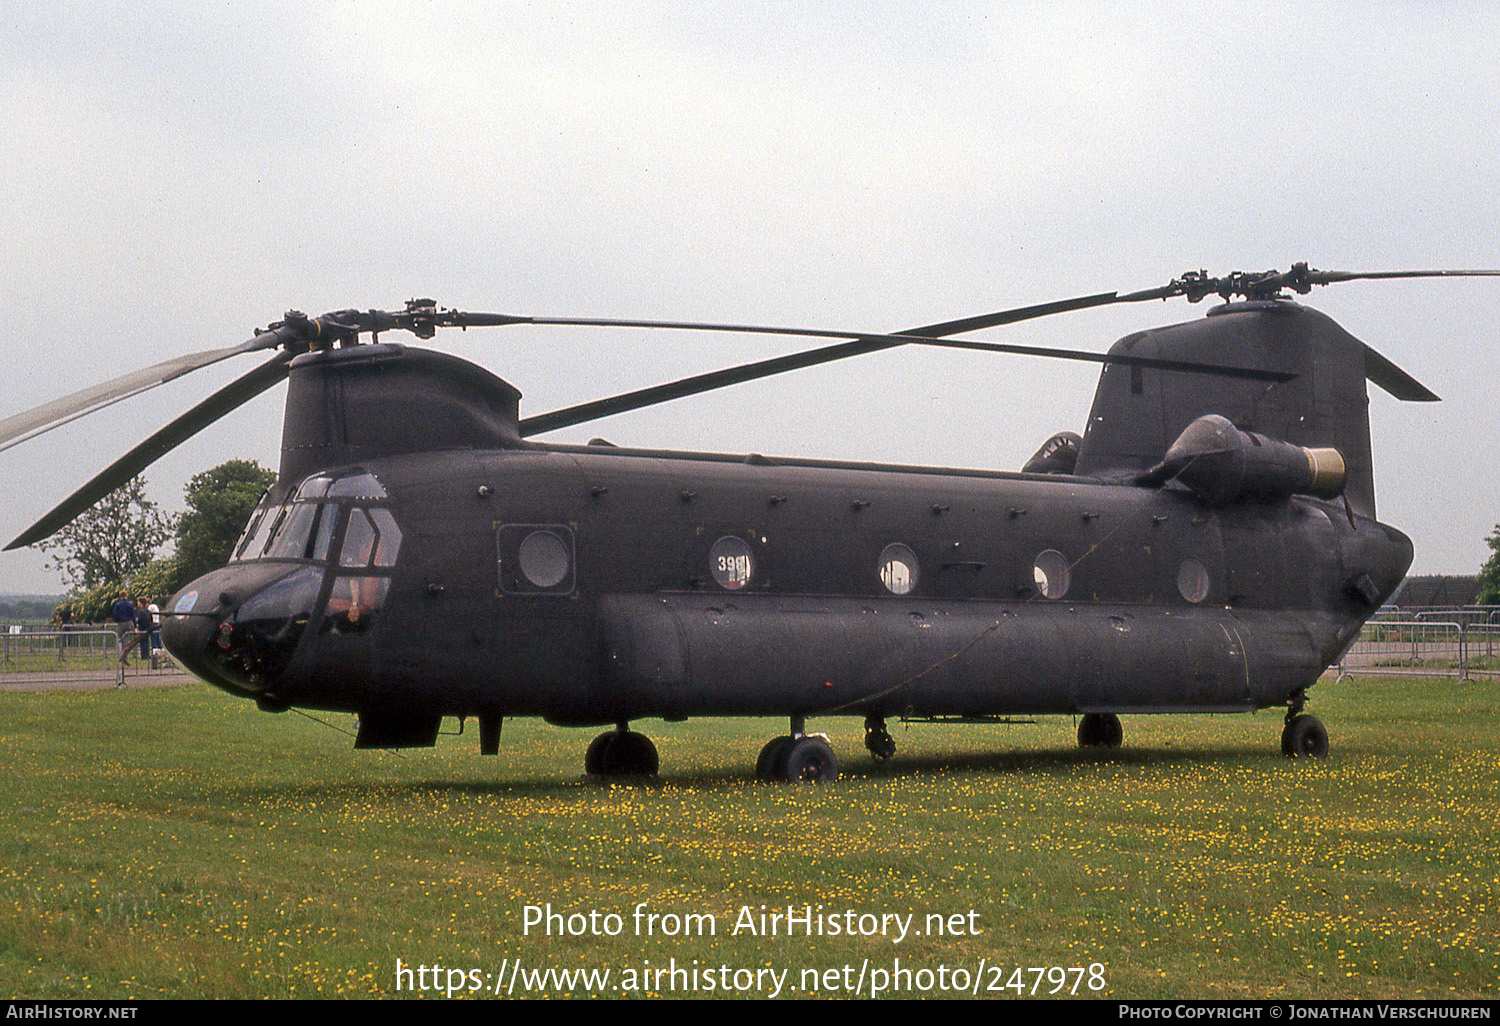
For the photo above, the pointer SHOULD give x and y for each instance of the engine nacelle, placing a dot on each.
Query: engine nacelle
(1219, 463)
(1058, 455)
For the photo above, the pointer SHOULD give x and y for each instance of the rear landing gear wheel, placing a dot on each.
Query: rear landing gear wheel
(1100, 730)
(621, 753)
(878, 740)
(1304, 737)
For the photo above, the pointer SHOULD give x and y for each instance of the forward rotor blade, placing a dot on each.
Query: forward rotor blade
(628, 401)
(222, 402)
(40, 419)
(698, 383)
(624, 403)
(879, 340)
(1020, 313)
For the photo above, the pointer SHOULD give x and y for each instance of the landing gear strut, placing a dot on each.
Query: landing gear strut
(877, 739)
(797, 758)
(1100, 730)
(621, 752)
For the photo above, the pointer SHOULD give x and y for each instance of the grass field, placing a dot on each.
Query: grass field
(178, 843)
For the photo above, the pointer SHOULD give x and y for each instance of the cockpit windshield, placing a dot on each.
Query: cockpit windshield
(304, 532)
(253, 542)
(304, 528)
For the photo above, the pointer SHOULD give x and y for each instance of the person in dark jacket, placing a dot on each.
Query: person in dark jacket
(123, 614)
(145, 623)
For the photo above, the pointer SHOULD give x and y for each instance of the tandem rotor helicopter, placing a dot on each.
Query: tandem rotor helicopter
(1208, 544)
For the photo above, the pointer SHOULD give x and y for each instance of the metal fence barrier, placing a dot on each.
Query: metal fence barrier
(1468, 616)
(1482, 649)
(1461, 648)
(1461, 614)
(87, 653)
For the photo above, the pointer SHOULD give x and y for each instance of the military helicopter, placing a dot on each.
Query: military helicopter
(1207, 545)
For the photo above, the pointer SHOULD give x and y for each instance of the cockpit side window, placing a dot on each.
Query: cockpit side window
(371, 538)
(388, 537)
(359, 540)
(370, 545)
(354, 604)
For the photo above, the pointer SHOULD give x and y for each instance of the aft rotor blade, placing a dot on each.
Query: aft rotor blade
(1329, 277)
(222, 402)
(1187, 366)
(40, 419)
(860, 345)
(1394, 380)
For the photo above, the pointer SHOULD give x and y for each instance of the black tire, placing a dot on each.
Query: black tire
(1304, 737)
(593, 759)
(623, 753)
(1100, 730)
(810, 760)
(881, 745)
(771, 765)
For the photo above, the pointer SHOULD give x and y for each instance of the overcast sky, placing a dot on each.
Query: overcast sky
(174, 175)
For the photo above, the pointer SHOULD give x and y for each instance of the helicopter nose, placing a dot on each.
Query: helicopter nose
(238, 628)
(188, 638)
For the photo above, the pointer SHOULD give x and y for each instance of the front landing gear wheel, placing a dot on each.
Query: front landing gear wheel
(621, 753)
(593, 759)
(1304, 737)
(1100, 730)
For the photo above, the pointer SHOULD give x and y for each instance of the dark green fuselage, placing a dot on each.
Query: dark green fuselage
(1167, 603)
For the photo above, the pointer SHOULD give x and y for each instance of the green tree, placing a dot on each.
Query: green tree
(1489, 574)
(219, 503)
(110, 541)
(93, 606)
(157, 579)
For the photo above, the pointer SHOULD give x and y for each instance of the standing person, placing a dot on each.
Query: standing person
(123, 614)
(145, 623)
(155, 623)
(63, 616)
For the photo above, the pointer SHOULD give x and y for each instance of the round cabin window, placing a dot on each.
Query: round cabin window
(1052, 574)
(543, 558)
(1192, 580)
(898, 569)
(730, 563)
